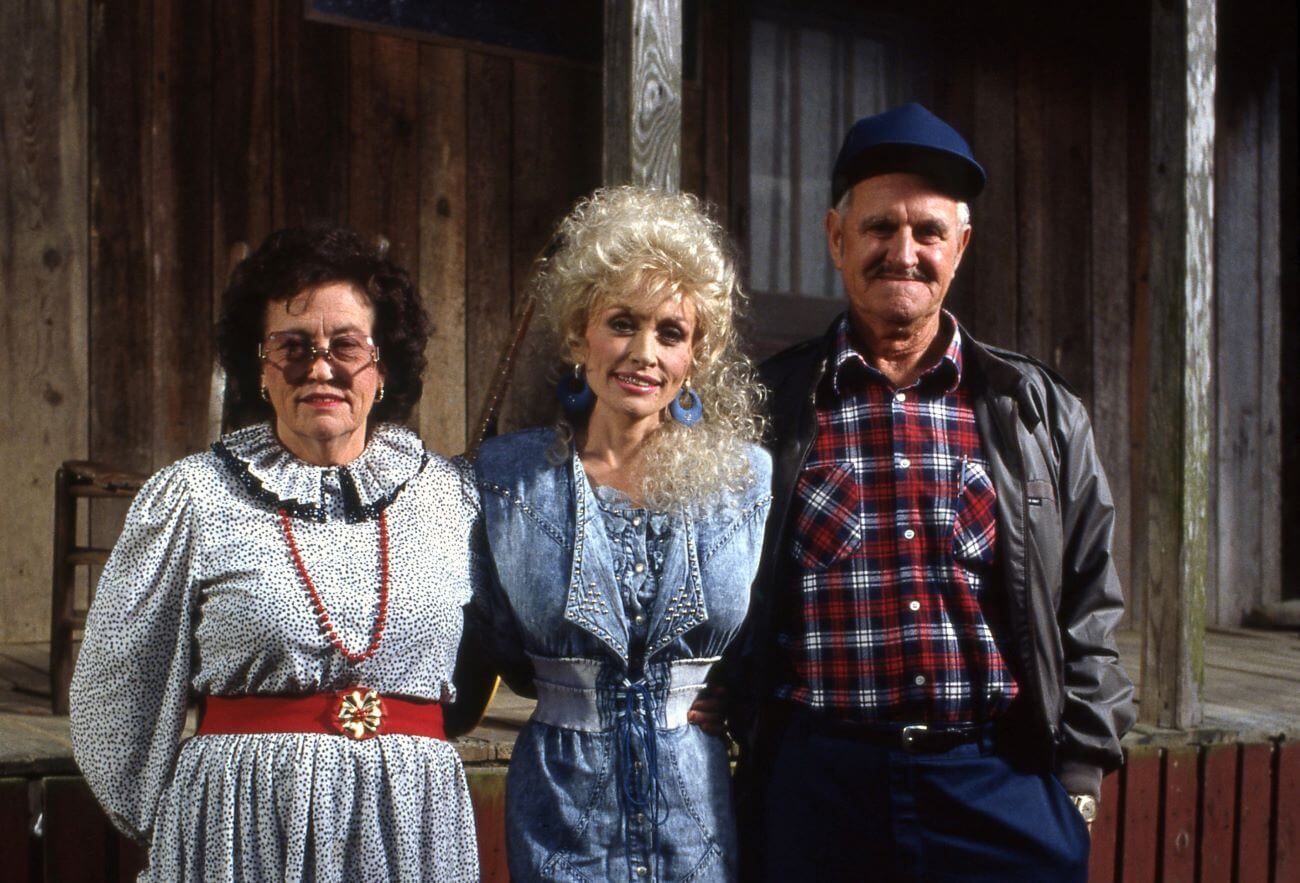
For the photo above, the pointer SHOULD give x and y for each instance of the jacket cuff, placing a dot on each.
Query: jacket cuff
(1080, 777)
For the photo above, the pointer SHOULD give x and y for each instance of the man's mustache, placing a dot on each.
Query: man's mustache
(905, 274)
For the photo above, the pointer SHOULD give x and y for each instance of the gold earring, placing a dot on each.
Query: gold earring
(379, 397)
(264, 393)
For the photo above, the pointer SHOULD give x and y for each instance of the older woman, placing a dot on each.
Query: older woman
(621, 544)
(288, 578)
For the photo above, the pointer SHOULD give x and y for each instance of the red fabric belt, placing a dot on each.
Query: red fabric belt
(356, 714)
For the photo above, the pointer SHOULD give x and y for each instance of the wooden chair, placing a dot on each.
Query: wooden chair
(73, 480)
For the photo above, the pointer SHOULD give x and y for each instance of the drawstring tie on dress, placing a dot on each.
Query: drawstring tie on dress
(641, 786)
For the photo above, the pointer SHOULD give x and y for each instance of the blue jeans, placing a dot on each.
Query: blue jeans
(838, 808)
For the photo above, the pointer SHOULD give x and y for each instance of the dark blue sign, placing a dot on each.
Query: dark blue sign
(570, 29)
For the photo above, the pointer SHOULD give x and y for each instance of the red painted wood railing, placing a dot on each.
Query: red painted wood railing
(1224, 812)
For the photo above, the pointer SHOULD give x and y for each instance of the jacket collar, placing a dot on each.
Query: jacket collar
(846, 359)
(392, 457)
(992, 369)
(987, 367)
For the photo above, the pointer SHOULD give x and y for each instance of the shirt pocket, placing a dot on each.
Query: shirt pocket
(829, 526)
(975, 521)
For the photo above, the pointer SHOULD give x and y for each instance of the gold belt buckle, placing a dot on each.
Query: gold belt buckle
(360, 713)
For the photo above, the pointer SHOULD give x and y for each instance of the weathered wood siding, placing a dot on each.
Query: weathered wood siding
(1247, 320)
(44, 259)
(643, 93)
(145, 139)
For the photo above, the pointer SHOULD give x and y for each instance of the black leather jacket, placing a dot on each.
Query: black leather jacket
(1055, 520)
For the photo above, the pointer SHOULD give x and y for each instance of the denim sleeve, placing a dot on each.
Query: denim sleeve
(491, 629)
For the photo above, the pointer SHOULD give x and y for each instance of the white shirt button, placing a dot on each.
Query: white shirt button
(914, 606)
(909, 534)
(904, 463)
(640, 619)
(640, 568)
(920, 680)
(900, 396)
(636, 521)
(642, 870)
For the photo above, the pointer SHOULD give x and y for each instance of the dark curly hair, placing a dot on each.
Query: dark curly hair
(299, 259)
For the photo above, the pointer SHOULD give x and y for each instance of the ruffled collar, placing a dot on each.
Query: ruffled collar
(392, 457)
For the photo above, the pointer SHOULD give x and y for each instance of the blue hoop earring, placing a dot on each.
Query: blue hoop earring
(573, 392)
(686, 407)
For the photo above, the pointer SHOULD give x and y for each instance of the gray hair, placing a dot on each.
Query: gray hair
(963, 208)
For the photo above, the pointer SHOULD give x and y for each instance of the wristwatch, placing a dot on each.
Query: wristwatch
(1086, 804)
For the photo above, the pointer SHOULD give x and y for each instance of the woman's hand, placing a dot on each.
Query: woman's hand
(708, 711)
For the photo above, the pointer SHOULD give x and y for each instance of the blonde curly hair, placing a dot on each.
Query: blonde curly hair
(623, 239)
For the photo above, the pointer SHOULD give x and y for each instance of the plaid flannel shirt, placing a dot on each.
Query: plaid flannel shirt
(895, 535)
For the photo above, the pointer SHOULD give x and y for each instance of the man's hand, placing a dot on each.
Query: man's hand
(708, 711)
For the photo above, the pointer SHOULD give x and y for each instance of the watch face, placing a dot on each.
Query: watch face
(1086, 805)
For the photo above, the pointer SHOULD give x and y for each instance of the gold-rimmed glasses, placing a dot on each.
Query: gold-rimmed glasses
(295, 353)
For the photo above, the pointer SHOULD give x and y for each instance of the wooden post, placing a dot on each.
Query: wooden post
(1175, 563)
(643, 93)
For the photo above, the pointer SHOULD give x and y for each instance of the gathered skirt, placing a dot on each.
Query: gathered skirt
(309, 807)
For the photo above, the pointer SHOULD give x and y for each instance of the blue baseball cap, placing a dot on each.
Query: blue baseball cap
(907, 139)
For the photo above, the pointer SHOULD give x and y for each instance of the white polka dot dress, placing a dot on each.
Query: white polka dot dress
(201, 595)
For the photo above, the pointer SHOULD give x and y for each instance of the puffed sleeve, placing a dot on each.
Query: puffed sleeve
(453, 537)
(132, 677)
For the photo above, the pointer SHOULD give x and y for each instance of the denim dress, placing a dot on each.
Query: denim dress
(612, 616)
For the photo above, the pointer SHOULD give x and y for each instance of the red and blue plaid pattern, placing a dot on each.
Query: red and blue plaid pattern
(895, 534)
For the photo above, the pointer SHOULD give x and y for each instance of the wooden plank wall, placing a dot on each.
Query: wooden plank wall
(149, 137)
(1248, 325)
(146, 139)
(43, 267)
(255, 119)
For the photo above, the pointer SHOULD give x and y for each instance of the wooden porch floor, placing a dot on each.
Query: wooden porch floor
(1252, 683)
(1252, 693)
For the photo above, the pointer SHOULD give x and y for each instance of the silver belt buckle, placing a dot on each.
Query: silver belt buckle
(910, 735)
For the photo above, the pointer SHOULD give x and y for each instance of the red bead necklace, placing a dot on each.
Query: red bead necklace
(322, 616)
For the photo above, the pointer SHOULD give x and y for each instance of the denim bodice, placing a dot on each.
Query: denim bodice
(637, 539)
(607, 781)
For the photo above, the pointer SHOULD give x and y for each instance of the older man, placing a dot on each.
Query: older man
(928, 688)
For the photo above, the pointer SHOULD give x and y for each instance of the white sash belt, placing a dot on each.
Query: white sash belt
(567, 694)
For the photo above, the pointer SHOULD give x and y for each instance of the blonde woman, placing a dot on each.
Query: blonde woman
(620, 546)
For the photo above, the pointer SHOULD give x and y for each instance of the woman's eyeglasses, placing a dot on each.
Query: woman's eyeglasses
(290, 350)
